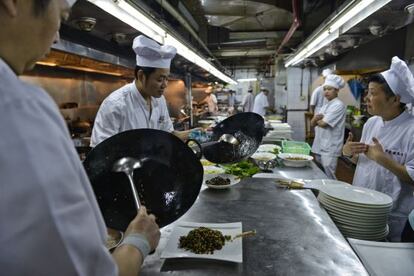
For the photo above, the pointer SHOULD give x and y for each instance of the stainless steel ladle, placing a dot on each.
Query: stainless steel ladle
(127, 165)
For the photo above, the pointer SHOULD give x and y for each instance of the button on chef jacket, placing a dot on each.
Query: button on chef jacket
(260, 104)
(126, 109)
(318, 99)
(397, 139)
(329, 140)
(50, 223)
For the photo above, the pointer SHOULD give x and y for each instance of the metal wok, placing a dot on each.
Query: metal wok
(168, 182)
(247, 128)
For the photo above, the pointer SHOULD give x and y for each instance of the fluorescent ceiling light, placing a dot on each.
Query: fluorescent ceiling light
(346, 18)
(245, 80)
(125, 12)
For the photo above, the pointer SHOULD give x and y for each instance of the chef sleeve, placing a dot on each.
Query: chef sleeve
(107, 123)
(334, 115)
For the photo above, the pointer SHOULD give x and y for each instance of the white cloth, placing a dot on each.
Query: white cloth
(329, 164)
(127, 109)
(397, 138)
(329, 140)
(248, 102)
(334, 81)
(260, 104)
(318, 99)
(400, 80)
(151, 54)
(49, 217)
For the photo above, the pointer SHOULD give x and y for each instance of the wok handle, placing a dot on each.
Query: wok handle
(199, 152)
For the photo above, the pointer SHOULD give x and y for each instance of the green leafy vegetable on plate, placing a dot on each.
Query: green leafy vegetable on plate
(242, 169)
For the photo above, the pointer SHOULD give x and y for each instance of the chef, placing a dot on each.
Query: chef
(318, 96)
(261, 103)
(210, 100)
(385, 153)
(329, 126)
(139, 104)
(50, 220)
(248, 101)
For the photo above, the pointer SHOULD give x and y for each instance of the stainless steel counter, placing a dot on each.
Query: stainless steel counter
(294, 235)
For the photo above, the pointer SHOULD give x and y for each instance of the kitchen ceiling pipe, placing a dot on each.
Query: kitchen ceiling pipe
(168, 7)
(296, 23)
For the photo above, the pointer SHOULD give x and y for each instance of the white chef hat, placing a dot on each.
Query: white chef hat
(71, 2)
(326, 72)
(262, 88)
(400, 80)
(151, 54)
(334, 81)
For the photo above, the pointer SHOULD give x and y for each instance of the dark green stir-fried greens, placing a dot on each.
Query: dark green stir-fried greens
(218, 181)
(242, 169)
(203, 240)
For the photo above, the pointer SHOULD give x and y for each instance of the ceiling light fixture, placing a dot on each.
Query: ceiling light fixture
(351, 14)
(246, 80)
(129, 14)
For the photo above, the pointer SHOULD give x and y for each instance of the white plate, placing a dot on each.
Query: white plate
(212, 170)
(231, 251)
(233, 180)
(351, 207)
(357, 195)
(269, 148)
(295, 163)
(263, 156)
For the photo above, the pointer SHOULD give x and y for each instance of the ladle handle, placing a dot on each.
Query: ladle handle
(134, 191)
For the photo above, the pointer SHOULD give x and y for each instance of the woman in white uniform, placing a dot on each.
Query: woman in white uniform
(385, 153)
(261, 103)
(329, 126)
(49, 217)
(139, 104)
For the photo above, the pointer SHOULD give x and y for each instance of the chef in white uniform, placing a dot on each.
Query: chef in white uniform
(318, 96)
(139, 104)
(385, 152)
(329, 126)
(49, 217)
(248, 101)
(261, 103)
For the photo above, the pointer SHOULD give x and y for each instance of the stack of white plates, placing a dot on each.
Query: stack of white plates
(357, 212)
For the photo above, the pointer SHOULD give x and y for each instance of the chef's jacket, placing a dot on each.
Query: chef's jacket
(127, 109)
(318, 99)
(397, 139)
(248, 102)
(260, 104)
(49, 217)
(329, 140)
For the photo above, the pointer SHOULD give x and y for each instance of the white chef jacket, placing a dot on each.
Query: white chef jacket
(329, 140)
(397, 139)
(50, 221)
(127, 109)
(318, 99)
(248, 102)
(260, 104)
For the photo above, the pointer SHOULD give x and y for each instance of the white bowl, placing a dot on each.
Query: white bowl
(263, 156)
(269, 148)
(289, 159)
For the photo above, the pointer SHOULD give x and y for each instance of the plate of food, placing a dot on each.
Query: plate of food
(220, 181)
(205, 241)
(295, 159)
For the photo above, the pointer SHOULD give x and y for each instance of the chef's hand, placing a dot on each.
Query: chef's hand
(352, 148)
(145, 224)
(318, 117)
(375, 151)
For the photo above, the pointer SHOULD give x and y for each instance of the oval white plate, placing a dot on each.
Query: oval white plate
(357, 195)
(233, 181)
(212, 170)
(295, 163)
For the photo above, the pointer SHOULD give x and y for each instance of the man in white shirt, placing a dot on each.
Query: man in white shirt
(329, 126)
(261, 103)
(248, 101)
(139, 104)
(385, 153)
(318, 96)
(50, 220)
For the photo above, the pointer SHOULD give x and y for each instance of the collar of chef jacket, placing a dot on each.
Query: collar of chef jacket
(6, 69)
(398, 120)
(139, 99)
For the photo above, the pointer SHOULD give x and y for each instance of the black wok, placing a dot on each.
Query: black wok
(168, 182)
(247, 128)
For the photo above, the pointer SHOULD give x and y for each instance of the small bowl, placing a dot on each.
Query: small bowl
(302, 160)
